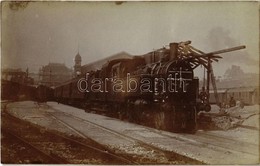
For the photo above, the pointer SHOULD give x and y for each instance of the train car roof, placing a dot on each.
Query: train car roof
(67, 82)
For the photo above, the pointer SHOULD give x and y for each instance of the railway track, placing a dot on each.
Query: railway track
(196, 149)
(230, 145)
(169, 155)
(249, 127)
(107, 152)
(49, 158)
(60, 149)
(214, 143)
(202, 138)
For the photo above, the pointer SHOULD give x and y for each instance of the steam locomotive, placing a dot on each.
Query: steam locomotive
(163, 94)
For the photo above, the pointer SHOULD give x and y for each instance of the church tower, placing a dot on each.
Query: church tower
(77, 66)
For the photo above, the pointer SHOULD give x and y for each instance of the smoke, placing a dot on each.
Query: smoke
(219, 38)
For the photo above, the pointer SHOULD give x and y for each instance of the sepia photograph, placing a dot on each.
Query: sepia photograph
(130, 82)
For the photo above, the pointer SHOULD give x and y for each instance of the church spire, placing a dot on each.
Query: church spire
(77, 66)
(78, 47)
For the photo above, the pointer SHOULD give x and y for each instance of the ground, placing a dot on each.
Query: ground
(231, 137)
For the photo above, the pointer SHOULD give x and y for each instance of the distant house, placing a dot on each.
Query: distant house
(54, 74)
(248, 95)
(222, 96)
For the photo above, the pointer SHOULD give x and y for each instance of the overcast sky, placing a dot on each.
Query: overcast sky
(46, 32)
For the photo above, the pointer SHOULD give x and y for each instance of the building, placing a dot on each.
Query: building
(16, 75)
(54, 74)
(248, 95)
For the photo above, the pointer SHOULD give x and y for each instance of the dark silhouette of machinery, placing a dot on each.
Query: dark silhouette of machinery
(163, 93)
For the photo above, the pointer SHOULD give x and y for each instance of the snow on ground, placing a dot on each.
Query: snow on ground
(30, 111)
(233, 117)
(40, 114)
(35, 113)
(249, 115)
(237, 123)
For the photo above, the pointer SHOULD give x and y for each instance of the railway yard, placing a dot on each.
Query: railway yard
(54, 133)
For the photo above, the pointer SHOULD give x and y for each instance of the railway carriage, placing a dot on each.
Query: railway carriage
(11, 90)
(44, 93)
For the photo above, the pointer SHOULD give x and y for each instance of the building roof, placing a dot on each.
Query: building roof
(13, 71)
(97, 65)
(238, 89)
(242, 89)
(219, 91)
(56, 67)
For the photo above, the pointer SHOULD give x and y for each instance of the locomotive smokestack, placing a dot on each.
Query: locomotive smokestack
(173, 51)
